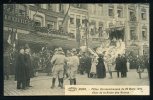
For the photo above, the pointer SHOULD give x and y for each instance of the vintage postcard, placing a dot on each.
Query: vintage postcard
(76, 49)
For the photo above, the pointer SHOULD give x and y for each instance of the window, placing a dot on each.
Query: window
(71, 20)
(132, 16)
(61, 7)
(77, 22)
(22, 10)
(111, 12)
(100, 27)
(83, 6)
(133, 35)
(78, 5)
(50, 7)
(143, 16)
(51, 25)
(120, 13)
(10, 8)
(60, 24)
(144, 34)
(38, 5)
(37, 24)
(94, 9)
(100, 9)
(83, 19)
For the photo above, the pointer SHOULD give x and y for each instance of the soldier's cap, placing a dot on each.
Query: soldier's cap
(60, 49)
(74, 50)
(27, 50)
(56, 49)
(21, 50)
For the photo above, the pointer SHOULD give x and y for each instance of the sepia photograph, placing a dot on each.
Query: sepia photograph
(76, 49)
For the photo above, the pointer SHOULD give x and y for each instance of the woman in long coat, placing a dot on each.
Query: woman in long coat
(93, 66)
(21, 75)
(88, 65)
(101, 71)
(110, 61)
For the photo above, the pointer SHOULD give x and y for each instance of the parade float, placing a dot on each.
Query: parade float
(110, 51)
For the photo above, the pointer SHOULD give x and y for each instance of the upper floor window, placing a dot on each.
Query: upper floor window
(37, 23)
(78, 5)
(144, 34)
(71, 20)
(9, 7)
(133, 35)
(83, 20)
(100, 7)
(94, 9)
(38, 5)
(84, 6)
(61, 7)
(143, 14)
(51, 25)
(22, 10)
(78, 20)
(50, 7)
(111, 12)
(120, 13)
(132, 16)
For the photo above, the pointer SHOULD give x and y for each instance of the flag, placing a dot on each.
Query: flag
(12, 38)
(66, 17)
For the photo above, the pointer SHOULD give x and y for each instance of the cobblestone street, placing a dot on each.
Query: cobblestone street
(41, 84)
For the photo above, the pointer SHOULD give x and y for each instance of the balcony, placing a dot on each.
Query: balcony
(14, 21)
(48, 12)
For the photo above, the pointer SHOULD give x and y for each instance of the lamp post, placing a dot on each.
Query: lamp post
(86, 30)
(78, 37)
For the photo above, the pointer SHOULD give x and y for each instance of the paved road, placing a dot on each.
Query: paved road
(41, 84)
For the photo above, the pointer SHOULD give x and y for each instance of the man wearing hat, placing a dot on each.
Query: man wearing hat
(82, 63)
(118, 65)
(28, 66)
(21, 74)
(58, 61)
(73, 66)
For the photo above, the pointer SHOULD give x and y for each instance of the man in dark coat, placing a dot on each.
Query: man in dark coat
(28, 66)
(123, 66)
(6, 65)
(88, 65)
(118, 65)
(21, 71)
(13, 63)
(100, 68)
(82, 63)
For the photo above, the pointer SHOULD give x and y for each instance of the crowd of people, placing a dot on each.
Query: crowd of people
(61, 65)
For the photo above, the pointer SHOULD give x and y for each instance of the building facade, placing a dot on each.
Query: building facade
(134, 18)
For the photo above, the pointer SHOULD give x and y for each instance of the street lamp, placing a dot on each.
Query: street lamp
(78, 34)
(86, 30)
